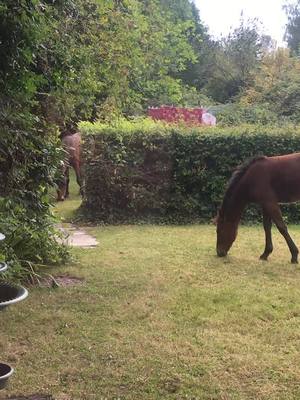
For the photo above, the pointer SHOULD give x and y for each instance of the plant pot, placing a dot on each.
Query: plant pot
(5, 373)
(11, 294)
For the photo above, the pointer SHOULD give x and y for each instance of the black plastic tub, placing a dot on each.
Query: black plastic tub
(5, 373)
(11, 294)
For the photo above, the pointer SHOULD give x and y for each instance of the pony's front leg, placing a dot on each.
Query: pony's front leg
(67, 174)
(267, 223)
(275, 213)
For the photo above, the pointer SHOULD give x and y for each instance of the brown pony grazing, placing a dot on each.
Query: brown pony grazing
(72, 145)
(266, 181)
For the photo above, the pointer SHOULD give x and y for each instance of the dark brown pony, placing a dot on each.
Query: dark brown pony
(72, 145)
(266, 181)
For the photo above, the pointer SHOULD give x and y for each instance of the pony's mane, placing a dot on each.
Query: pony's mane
(237, 175)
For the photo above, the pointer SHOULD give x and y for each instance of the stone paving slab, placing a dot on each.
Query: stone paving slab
(77, 237)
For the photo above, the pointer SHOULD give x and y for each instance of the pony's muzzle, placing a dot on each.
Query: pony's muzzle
(221, 253)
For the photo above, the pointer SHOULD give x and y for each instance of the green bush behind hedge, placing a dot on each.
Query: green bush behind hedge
(146, 171)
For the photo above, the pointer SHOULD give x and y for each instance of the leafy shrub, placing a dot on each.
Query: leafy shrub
(233, 114)
(30, 76)
(146, 171)
(29, 245)
(25, 212)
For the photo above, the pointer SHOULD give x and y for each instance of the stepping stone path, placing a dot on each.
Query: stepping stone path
(77, 237)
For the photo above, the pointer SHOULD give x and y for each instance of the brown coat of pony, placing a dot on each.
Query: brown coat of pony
(72, 146)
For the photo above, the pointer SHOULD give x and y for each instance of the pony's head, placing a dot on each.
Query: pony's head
(226, 234)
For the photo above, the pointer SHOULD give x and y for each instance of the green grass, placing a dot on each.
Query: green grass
(65, 210)
(159, 316)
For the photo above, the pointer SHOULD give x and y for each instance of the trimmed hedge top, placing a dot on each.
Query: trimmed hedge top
(148, 126)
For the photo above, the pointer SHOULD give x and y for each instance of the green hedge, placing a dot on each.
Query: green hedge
(151, 172)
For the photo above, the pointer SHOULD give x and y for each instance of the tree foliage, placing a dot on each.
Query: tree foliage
(105, 58)
(235, 61)
(292, 33)
(276, 85)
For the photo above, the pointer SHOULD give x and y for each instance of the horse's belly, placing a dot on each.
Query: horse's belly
(289, 193)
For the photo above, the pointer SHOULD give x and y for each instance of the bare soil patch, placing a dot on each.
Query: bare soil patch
(61, 281)
(32, 397)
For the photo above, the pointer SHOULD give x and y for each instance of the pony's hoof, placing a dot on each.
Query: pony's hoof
(263, 257)
(294, 261)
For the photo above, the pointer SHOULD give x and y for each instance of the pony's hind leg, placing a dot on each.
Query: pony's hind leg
(77, 170)
(275, 213)
(267, 223)
(62, 184)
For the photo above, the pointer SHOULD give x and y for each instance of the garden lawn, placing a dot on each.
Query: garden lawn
(66, 210)
(159, 316)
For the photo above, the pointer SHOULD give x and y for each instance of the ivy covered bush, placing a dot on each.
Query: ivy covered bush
(145, 171)
(25, 212)
(29, 148)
